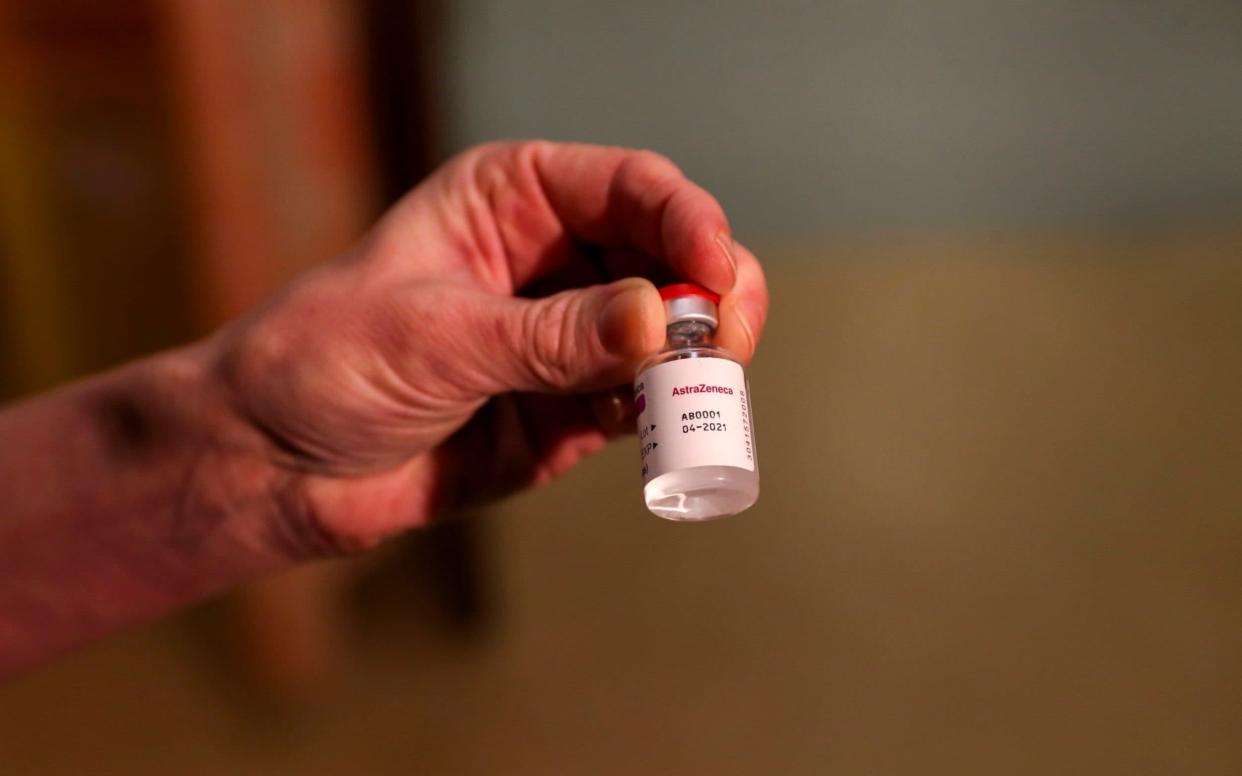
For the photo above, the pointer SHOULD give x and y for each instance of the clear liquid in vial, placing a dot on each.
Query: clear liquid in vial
(702, 493)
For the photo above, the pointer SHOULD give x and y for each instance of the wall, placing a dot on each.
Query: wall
(810, 118)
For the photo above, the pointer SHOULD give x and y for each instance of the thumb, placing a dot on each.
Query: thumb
(575, 341)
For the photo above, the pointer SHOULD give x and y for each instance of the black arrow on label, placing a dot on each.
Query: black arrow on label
(653, 427)
(654, 445)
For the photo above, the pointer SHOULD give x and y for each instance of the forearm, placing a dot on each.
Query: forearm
(126, 495)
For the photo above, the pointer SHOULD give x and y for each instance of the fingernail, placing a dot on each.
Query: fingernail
(614, 410)
(725, 241)
(623, 321)
(750, 333)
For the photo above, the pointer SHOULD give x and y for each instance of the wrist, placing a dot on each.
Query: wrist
(247, 472)
(172, 416)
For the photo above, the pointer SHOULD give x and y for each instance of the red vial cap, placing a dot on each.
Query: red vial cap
(680, 290)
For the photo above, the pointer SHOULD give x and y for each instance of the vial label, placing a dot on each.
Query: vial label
(693, 412)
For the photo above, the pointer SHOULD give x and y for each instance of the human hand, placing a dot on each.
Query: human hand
(481, 339)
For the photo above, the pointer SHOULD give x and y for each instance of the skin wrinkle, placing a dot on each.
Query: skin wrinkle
(309, 450)
(571, 335)
(205, 511)
(438, 354)
(400, 397)
(466, 388)
(386, 337)
(192, 514)
(545, 368)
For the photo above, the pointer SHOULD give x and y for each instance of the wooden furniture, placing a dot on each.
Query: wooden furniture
(164, 165)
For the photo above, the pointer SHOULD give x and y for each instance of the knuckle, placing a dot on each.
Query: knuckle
(510, 166)
(476, 153)
(494, 171)
(652, 164)
(260, 352)
(529, 151)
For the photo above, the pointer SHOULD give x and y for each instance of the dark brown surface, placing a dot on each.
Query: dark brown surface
(999, 533)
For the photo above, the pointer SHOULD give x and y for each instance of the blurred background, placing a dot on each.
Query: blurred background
(997, 404)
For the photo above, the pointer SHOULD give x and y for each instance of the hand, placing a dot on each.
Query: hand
(480, 340)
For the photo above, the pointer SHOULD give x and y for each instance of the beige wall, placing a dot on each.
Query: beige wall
(999, 534)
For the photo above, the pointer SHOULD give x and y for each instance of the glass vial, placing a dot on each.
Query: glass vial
(694, 422)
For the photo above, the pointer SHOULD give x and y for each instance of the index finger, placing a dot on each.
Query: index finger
(626, 198)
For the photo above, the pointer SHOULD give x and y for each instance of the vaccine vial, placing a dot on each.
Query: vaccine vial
(695, 435)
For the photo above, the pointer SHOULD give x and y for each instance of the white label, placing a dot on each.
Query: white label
(693, 412)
